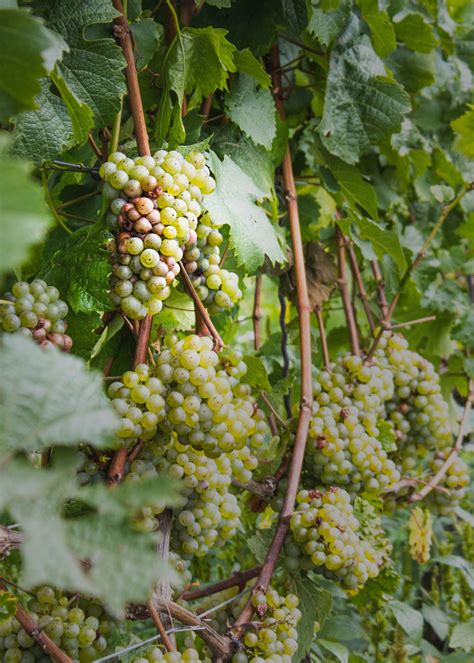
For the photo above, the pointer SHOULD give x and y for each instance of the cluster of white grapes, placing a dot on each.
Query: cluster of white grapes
(35, 311)
(78, 627)
(193, 392)
(155, 210)
(344, 448)
(325, 533)
(217, 287)
(188, 655)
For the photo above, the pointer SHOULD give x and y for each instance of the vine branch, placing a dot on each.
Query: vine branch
(360, 284)
(237, 579)
(257, 313)
(345, 296)
(201, 309)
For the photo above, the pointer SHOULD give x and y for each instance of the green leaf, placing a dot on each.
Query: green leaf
(147, 39)
(357, 190)
(462, 636)
(381, 27)
(437, 619)
(410, 620)
(81, 327)
(416, 33)
(326, 25)
(247, 63)
(442, 193)
(386, 436)
(49, 398)
(22, 207)
(383, 241)
(413, 70)
(315, 605)
(81, 268)
(122, 563)
(466, 568)
(256, 375)
(362, 105)
(463, 127)
(252, 236)
(81, 115)
(337, 650)
(28, 51)
(177, 313)
(253, 111)
(258, 544)
(295, 14)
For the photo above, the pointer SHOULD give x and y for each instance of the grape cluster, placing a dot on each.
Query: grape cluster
(275, 638)
(456, 480)
(325, 532)
(34, 310)
(217, 287)
(417, 408)
(78, 627)
(189, 655)
(344, 448)
(193, 392)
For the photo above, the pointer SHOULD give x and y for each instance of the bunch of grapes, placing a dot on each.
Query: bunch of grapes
(455, 481)
(275, 637)
(189, 655)
(217, 287)
(78, 627)
(325, 532)
(344, 447)
(417, 408)
(34, 310)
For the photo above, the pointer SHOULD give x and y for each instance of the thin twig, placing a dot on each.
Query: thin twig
(409, 323)
(206, 106)
(323, 339)
(257, 313)
(304, 313)
(275, 413)
(160, 628)
(445, 212)
(49, 201)
(381, 296)
(360, 284)
(237, 579)
(416, 497)
(345, 296)
(218, 342)
(284, 349)
(93, 144)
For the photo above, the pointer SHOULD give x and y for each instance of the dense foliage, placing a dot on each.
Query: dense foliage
(236, 331)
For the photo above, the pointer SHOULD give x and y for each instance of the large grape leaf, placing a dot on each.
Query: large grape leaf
(28, 51)
(48, 398)
(362, 105)
(80, 267)
(252, 236)
(416, 33)
(22, 208)
(94, 550)
(253, 111)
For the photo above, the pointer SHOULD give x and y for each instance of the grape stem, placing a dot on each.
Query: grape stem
(381, 296)
(284, 349)
(36, 632)
(237, 579)
(9, 540)
(360, 284)
(160, 628)
(202, 311)
(257, 313)
(304, 312)
(445, 212)
(345, 296)
(420, 495)
(322, 336)
(386, 326)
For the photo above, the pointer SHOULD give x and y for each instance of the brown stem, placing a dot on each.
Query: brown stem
(381, 296)
(360, 284)
(93, 144)
(163, 589)
(322, 336)
(445, 212)
(220, 645)
(206, 106)
(199, 306)
(345, 296)
(264, 489)
(304, 312)
(10, 539)
(160, 628)
(386, 326)
(116, 470)
(187, 10)
(141, 349)
(257, 313)
(284, 349)
(275, 413)
(454, 452)
(237, 579)
(124, 37)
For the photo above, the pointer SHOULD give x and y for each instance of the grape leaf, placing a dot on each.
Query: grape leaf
(247, 63)
(381, 27)
(177, 313)
(80, 113)
(415, 32)
(147, 38)
(410, 620)
(252, 236)
(413, 70)
(49, 398)
(326, 24)
(339, 651)
(383, 241)
(296, 14)
(362, 105)
(21, 68)
(80, 269)
(252, 110)
(315, 605)
(22, 207)
(122, 565)
(463, 127)
(256, 375)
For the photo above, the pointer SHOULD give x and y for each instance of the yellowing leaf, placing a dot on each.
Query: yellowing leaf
(420, 528)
